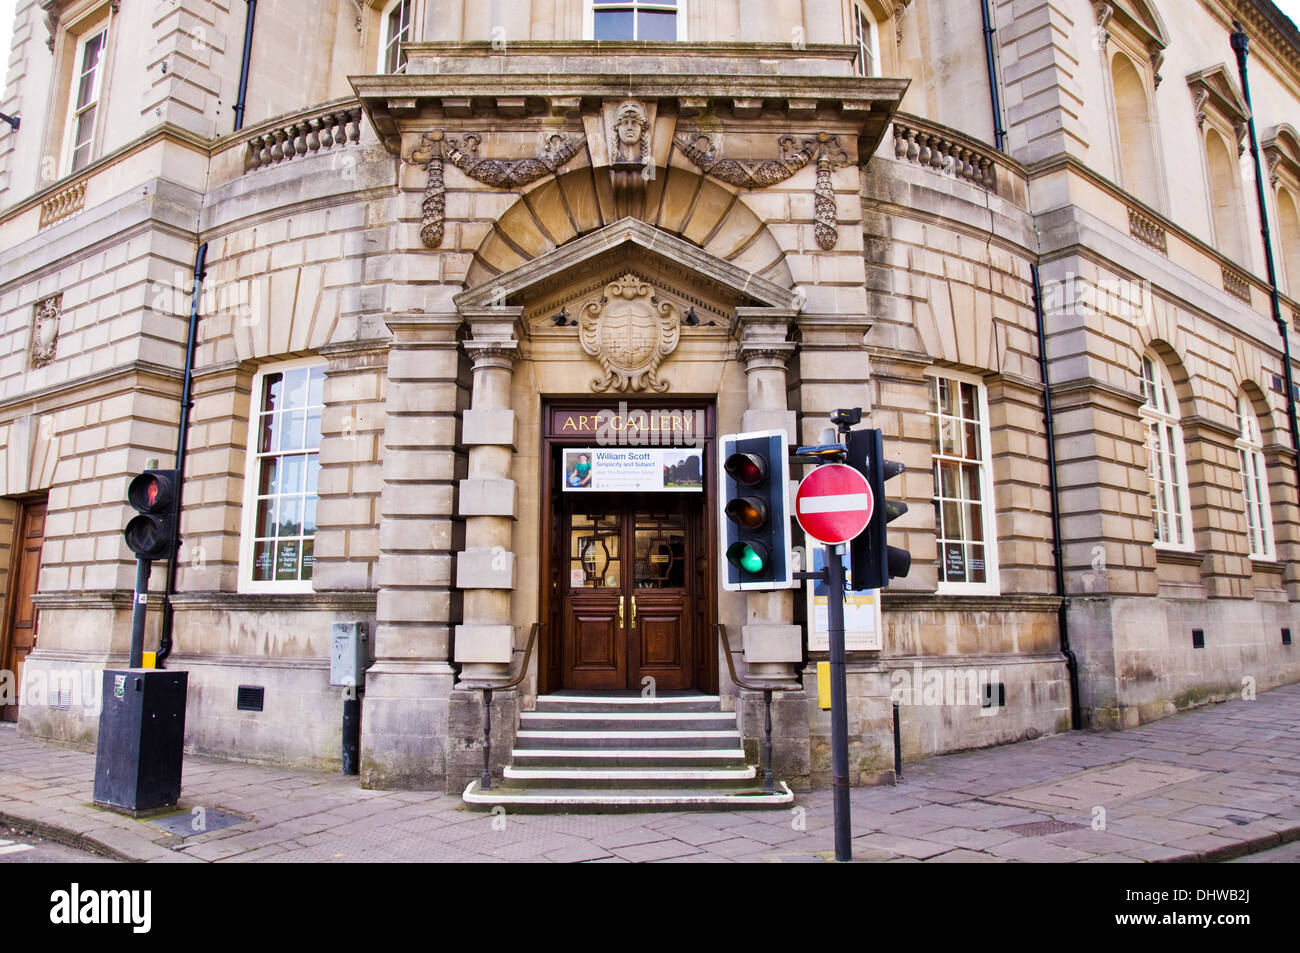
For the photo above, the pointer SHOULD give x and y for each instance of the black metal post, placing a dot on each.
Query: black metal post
(352, 732)
(769, 782)
(839, 703)
(182, 441)
(138, 609)
(485, 779)
(898, 744)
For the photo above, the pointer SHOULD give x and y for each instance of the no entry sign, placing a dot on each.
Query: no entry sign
(833, 504)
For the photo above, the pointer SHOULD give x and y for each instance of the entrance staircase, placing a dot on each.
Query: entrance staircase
(622, 752)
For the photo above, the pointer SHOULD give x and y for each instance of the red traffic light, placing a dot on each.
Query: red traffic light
(152, 491)
(152, 534)
(749, 469)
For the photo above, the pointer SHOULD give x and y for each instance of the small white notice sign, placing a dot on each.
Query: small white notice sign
(862, 620)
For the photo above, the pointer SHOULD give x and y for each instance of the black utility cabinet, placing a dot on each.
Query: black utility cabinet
(141, 737)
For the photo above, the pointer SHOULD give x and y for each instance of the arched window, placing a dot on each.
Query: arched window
(1167, 459)
(396, 20)
(1138, 169)
(1225, 197)
(1289, 239)
(1254, 481)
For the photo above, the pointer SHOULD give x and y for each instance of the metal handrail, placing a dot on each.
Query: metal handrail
(769, 781)
(485, 779)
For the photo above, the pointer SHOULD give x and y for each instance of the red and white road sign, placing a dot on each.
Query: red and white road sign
(833, 504)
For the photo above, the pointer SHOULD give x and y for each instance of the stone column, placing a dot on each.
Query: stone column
(773, 646)
(407, 689)
(485, 567)
(485, 570)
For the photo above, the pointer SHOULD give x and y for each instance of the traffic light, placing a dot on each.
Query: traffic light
(873, 561)
(153, 495)
(755, 482)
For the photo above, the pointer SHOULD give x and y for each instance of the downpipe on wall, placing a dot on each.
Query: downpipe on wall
(1241, 46)
(1058, 553)
(242, 97)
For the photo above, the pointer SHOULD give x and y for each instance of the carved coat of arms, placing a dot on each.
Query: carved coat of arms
(629, 333)
(45, 330)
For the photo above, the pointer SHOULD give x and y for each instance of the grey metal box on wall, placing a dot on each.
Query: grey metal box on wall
(349, 654)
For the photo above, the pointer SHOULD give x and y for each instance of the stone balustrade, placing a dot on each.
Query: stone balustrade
(1148, 231)
(1236, 284)
(62, 204)
(944, 150)
(332, 129)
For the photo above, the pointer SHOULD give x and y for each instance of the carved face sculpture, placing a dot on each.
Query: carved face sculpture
(630, 334)
(630, 125)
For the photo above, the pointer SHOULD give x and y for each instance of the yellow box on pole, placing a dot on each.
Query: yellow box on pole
(824, 686)
(149, 660)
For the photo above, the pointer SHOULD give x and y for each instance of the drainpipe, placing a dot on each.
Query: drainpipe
(1241, 46)
(187, 403)
(249, 17)
(1058, 554)
(999, 134)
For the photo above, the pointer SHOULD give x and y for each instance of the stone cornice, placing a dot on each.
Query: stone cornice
(543, 79)
(362, 601)
(74, 385)
(165, 132)
(1087, 385)
(933, 602)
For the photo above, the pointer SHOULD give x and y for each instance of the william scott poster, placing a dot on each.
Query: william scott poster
(632, 469)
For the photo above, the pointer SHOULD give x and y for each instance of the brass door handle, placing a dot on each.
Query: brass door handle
(634, 612)
(620, 613)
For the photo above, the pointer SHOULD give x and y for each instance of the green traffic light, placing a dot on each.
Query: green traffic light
(748, 557)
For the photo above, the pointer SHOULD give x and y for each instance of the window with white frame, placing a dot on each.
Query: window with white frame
(645, 20)
(1254, 481)
(1166, 458)
(83, 109)
(397, 30)
(963, 498)
(280, 497)
(866, 36)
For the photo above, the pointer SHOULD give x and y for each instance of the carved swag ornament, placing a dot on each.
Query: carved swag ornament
(630, 333)
(793, 154)
(462, 152)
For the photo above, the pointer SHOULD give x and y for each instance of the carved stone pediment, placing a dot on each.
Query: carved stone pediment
(629, 332)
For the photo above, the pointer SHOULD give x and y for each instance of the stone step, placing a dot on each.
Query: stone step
(630, 757)
(699, 797)
(577, 702)
(627, 720)
(605, 776)
(629, 738)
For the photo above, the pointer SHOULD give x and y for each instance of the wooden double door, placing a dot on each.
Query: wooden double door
(630, 567)
(18, 635)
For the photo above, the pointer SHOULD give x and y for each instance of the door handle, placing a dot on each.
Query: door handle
(634, 612)
(620, 613)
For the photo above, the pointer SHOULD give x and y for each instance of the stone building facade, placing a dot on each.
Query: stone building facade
(434, 210)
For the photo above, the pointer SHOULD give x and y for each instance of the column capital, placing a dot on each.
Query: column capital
(414, 328)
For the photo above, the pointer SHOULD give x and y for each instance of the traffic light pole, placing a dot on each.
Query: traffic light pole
(839, 703)
(138, 607)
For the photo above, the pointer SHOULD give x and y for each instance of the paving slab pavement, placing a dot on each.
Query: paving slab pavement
(1216, 783)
